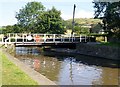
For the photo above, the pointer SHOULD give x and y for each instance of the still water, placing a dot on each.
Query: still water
(70, 70)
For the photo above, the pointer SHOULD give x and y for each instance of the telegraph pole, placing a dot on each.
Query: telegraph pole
(73, 22)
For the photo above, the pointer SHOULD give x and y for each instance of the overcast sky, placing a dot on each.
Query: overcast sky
(8, 9)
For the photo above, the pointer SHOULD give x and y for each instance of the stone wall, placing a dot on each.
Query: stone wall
(98, 51)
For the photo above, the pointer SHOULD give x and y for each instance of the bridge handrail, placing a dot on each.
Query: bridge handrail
(44, 37)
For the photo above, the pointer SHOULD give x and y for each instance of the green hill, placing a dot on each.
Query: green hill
(84, 25)
(85, 21)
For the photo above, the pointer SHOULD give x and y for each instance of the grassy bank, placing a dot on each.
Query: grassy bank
(12, 75)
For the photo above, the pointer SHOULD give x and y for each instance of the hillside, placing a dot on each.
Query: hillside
(84, 25)
(85, 21)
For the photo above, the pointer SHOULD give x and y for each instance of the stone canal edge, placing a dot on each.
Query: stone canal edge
(39, 78)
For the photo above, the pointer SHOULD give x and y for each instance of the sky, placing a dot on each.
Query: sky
(8, 9)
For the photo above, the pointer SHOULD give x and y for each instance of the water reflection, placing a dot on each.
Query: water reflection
(36, 64)
(27, 50)
(68, 70)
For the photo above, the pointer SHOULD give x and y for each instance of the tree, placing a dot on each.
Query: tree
(96, 28)
(81, 30)
(50, 22)
(29, 15)
(8, 29)
(17, 28)
(54, 21)
(110, 13)
(34, 18)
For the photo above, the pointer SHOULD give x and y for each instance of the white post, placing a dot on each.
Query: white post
(6, 43)
(15, 38)
(105, 38)
(23, 37)
(44, 38)
(80, 38)
(61, 38)
(53, 37)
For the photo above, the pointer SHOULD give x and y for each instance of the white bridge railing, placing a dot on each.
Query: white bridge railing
(40, 38)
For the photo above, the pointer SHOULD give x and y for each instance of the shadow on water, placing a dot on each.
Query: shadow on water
(88, 60)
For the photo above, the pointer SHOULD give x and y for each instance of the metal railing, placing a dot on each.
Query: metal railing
(41, 38)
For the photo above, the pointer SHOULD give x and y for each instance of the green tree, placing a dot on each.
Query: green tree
(34, 18)
(2, 30)
(8, 29)
(29, 15)
(54, 21)
(95, 28)
(68, 24)
(110, 13)
(50, 22)
(17, 28)
(81, 30)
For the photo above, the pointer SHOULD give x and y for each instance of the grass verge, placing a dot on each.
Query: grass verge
(12, 75)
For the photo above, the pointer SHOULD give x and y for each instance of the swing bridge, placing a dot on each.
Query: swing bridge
(21, 39)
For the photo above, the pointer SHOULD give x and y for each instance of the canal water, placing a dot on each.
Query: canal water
(66, 69)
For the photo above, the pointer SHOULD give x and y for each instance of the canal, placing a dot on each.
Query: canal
(65, 69)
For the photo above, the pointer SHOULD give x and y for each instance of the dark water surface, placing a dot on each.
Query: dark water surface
(70, 70)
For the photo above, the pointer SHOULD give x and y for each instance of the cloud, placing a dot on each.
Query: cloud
(79, 14)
